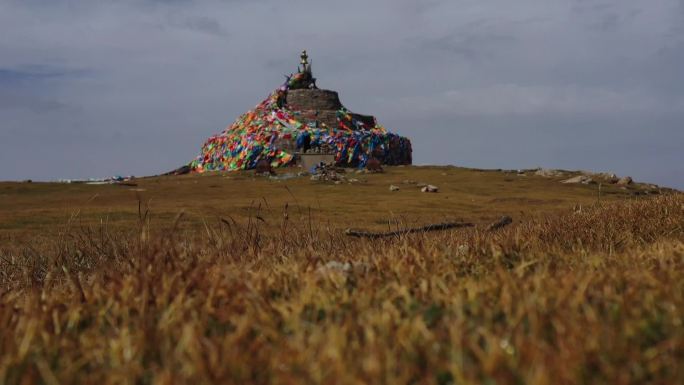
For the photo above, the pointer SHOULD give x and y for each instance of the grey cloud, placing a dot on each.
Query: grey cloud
(606, 16)
(32, 102)
(204, 24)
(566, 101)
(589, 84)
(471, 46)
(32, 86)
(36, 73)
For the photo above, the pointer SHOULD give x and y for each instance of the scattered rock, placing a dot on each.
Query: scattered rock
(603, 177)
(421, 185)
(373, 165)
(430, 188)
(328, 172)
(607, 177)
(548, 173)
(583, 179)
(624, 181)
(353, 180)
(393, 188)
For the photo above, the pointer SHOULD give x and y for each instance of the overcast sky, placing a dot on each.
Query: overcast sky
(96, 88)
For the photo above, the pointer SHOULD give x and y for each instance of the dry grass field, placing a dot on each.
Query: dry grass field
(232, 278)
(474, 195)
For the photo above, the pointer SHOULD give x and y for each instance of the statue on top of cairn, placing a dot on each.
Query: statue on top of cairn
(303, 79)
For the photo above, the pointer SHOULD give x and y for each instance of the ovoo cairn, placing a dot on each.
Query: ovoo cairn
(298, 118)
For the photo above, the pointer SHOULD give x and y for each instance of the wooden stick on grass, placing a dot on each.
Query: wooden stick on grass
(504, 221)
(432, 227)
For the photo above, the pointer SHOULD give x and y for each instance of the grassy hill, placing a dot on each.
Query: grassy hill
(233, 278)
(473, 195)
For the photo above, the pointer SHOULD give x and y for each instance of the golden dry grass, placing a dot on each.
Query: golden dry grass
(473, 195)
(562, 296)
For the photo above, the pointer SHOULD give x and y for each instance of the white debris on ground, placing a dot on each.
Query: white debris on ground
(583, 179)
(96, 181)
(549, 173)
